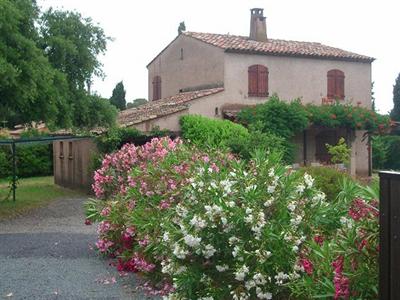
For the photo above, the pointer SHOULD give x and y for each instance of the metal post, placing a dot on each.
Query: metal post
(389, 236)
(14, 175)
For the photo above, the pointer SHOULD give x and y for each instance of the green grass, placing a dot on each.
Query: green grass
(31, 193)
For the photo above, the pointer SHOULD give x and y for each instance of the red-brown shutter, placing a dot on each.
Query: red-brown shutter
(262, 81)
(339, 84)
(331, 84)
(156, 88)
(335, 84)
(253, 76)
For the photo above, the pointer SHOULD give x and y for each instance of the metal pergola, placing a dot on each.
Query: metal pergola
(37, 140)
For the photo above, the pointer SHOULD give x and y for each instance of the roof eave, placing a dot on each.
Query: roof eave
(362, 60)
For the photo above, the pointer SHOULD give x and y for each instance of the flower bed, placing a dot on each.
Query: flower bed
(199, 225)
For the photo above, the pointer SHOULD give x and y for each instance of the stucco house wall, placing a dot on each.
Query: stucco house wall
(170, 122)
(294, 77)
(202, 65)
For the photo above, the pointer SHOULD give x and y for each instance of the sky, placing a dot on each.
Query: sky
(141, 29)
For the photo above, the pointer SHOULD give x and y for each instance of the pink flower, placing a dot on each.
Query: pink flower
(105, 211)
(144, 242)
(88, 222)
(307, 265)
(103, 245)
(340, 281)
(319, 239)
(164, 204)
(103, 227)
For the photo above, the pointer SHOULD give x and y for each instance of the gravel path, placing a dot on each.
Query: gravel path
(47, 255)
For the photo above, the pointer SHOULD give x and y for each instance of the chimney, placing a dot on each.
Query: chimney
(258, 25)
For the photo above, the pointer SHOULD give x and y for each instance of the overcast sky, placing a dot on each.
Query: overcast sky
(141, 29)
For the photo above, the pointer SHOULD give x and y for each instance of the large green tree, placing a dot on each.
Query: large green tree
(395, 113)
(73, 44)
(118, 96)
(30, 88)
(45, 62)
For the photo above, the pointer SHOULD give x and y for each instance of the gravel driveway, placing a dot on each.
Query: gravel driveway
(47, 255)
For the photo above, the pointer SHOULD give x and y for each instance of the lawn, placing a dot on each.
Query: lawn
(31, 193)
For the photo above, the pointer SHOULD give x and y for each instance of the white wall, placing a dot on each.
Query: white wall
(293, 77)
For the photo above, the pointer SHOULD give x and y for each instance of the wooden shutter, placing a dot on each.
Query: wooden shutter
(258, 81)
(262, 81)
(339, 84)
(335, 84)
(331, 84)
(156, 88)
(253, 76)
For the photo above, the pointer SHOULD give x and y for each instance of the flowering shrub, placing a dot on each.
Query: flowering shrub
(200, 225)
(344, 263)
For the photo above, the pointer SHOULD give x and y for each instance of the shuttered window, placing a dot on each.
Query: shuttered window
(335, 84)
(258, 81)
(156, 88)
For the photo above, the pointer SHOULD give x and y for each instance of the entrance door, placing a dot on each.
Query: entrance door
(321, 139)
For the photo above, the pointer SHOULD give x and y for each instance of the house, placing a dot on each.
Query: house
(216, 74)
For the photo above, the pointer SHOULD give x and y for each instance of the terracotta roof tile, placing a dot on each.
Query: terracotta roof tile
(234, 43)
(162, 107)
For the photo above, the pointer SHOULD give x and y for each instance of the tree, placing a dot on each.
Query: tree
(137, 102)
(118, 96)
(72, 44)
(181, 28)
(30, 88)
(395, 113)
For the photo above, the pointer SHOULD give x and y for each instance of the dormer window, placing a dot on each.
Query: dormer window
(258, 81)
(156, 88)
(335, 84)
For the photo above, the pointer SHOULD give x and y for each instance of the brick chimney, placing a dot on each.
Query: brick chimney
(258, 25)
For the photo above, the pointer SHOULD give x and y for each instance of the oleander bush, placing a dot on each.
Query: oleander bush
(327, 179)
(204, 224)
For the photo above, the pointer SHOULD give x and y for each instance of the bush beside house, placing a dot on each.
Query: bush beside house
(202, 224)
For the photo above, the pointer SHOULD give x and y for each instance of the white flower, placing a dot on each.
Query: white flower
(224, 221)
(206, 298)
(209, 251)
(179, 252)
(271, 189)
(295, 248)
(259, 279)
(248, 218)
(231, 204)
(222, 268)
(262, 295)
(166, 237)
(271, 172)
(296, 221)
(232, 240)
(249, 284)
(291, 206)
(241, 273)
(192, 241)
(300, 188)
(269, 202)
(235, 251)
(198, 222)
(308, 180)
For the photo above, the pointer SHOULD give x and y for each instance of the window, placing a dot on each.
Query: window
(335, 84)
(156, 88)
(181, 53)
(258, 81)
